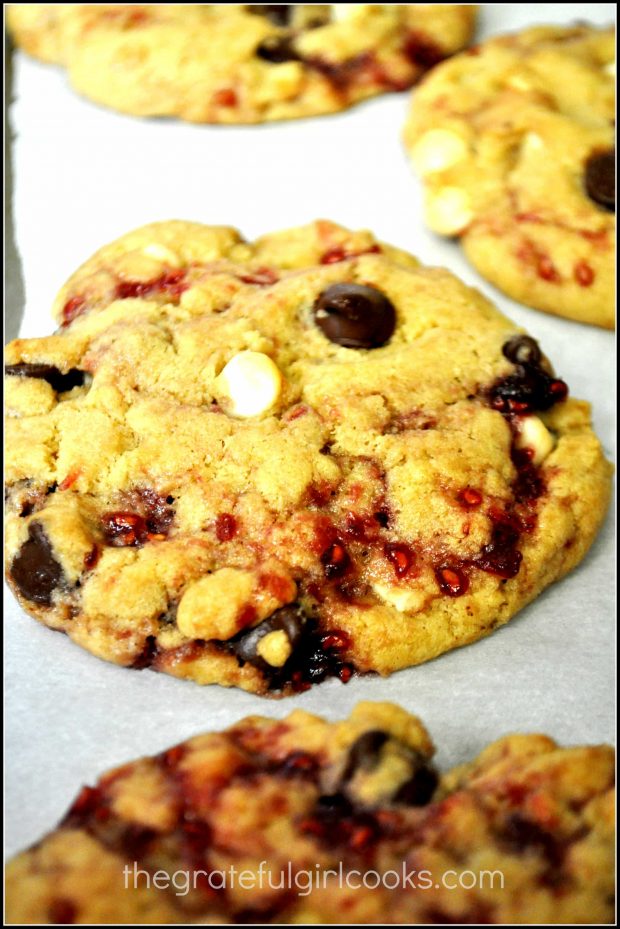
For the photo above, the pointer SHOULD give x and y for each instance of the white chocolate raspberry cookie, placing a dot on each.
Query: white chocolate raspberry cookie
(524, 833)
(263, 464)
(230, 63)
(514, 142)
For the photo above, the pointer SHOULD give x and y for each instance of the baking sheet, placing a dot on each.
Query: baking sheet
(83, 176)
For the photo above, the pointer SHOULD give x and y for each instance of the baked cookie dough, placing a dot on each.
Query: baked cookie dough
(514, 142)
(230, 63)
(264, 464)
(343, 823)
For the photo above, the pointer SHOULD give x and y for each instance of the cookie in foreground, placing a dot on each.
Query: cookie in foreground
(515, 144)
(230, 63)
(264, 464)
(524, 833)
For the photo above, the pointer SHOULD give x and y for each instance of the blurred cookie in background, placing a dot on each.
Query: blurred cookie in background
(514, 141)
(306, 821)
(232, 63)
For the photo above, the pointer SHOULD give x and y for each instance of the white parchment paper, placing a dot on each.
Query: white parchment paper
(85, 175)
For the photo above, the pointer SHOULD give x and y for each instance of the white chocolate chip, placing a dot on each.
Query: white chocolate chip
(251, 382)
(405, 601)
(533, 434)
(437, 150)
(532, 143)
(274, 648)
(448, 210)
(518, 82)
(342, 11)
(161, 253)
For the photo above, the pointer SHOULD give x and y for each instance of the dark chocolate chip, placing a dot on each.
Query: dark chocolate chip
(335, 820)
(355, 316)
(383, 518)
(34, 569)
(364, 753)
(530, 387)
(291, 619)
(28, 498)
(277, 49)
(315, 662)
(333, 806)
(527, 390)
(135, 840)
(419, 789)
(521, 835)
(61, 911)
(522, 350)
(600, 179)
(277, 13)
(55, 378)
(315, 656)
(146, 657)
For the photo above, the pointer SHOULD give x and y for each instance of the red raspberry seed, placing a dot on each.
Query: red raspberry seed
(337, 640)
(547, 270)
(335, 560)
(452, 581)
(584, 275)
(123, 529)
(400, 557)
(225, 527)
(470, 497)
(361, 837)
(225, 97)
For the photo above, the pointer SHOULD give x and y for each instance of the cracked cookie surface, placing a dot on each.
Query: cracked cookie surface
(231, 63)
(515, 144)
(305, 797)
(264, 464)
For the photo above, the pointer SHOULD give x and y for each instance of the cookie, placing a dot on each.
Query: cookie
(514, 142)
(230, 63)
(264, 464)
(346, 822)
